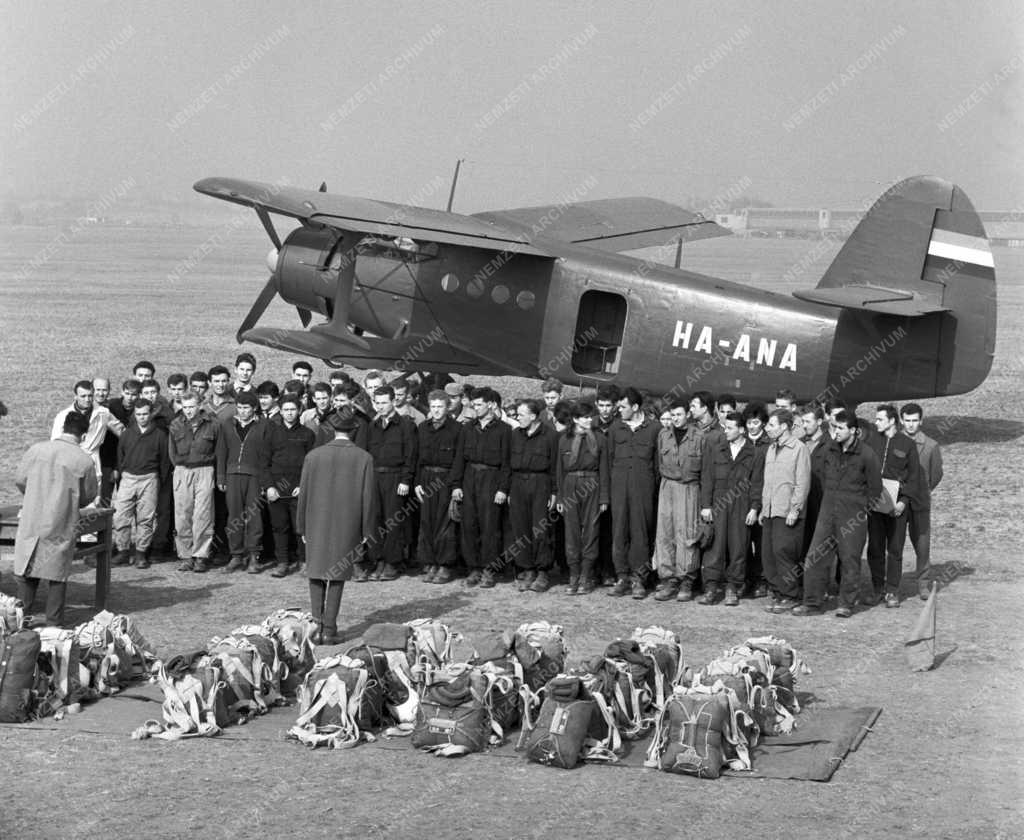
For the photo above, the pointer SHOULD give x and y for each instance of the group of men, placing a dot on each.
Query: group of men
(788, 499)
(744, 504)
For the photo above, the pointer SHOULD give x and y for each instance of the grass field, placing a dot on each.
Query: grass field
(942, 762)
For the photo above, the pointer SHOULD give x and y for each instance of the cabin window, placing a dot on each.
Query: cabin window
(600, 326)
(526, 300)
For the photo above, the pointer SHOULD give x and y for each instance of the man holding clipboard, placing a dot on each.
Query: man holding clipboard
(887, 523)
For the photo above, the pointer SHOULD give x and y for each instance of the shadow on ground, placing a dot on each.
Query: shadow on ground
(957, 428)
(129, 595)
(399, 612)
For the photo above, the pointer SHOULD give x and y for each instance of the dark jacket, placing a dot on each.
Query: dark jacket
(489, 446)
(734, 478)
(161, 414)
(851, 476)
(394, 446)
(633, 451)
(757, 478)
(141, 453)
(438, 448)
(584, 460)
(244, 456)
(817, 469)
(288, 449)
(534, 453)
(193, 448)
(898, 459)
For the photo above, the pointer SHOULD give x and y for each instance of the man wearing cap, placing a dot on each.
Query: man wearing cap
(335, 516)
(243, 461)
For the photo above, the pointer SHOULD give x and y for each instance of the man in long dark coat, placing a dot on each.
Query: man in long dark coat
(335, 516)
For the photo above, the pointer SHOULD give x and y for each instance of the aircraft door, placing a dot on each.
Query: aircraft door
(597, 339)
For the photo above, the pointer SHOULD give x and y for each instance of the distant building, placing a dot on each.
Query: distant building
(1004, 227)
(1001, 227)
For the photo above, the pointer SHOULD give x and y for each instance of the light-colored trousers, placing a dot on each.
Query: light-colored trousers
(135, 504)
(678, 520)
(193, 511)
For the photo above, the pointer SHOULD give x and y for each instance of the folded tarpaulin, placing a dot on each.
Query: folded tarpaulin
(816, 749)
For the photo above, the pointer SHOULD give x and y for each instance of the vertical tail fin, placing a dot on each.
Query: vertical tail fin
(918, 264)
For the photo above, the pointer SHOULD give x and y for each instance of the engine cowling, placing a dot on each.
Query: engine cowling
(307, 269)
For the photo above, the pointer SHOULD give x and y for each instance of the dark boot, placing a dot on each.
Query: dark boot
(638, 589)
(712, 595)
(281, 569)
(235, 564)
(253, 567)
(666, 590)
(621, 588)
(121, 557)
(317, 589)
(332, 606)
(574, 580)
(141, 560)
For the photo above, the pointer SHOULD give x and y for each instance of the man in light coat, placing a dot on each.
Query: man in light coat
(787, 480)
(57, 478)
(335, 516)
(99, 418)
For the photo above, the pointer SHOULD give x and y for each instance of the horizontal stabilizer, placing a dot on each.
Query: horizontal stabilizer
(874, 299)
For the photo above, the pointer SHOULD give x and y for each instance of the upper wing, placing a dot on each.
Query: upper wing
(363, 215)
(609, 224)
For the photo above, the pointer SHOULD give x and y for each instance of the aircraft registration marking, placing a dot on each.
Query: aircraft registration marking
(700, 339)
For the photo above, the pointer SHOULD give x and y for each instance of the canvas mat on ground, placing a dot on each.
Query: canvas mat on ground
(813, 752)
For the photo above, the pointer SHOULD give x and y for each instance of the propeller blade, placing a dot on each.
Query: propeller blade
(323, 186)
(304, 315)
(268, 226)
(258, 308)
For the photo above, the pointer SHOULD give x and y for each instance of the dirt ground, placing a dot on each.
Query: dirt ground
(943, 760)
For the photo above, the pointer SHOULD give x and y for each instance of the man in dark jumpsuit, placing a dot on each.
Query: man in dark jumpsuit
(440, 438)
(607, 399)
(633, 459)
(392, 442)
(735, 505)
(481, 483)
(887, 530)
(852, 484)
(532, 459)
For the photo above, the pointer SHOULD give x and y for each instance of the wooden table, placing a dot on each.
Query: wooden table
(98, 521)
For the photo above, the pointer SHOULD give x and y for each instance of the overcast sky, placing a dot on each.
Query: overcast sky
(800, 103)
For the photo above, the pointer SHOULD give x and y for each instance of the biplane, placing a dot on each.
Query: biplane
(906, 310)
